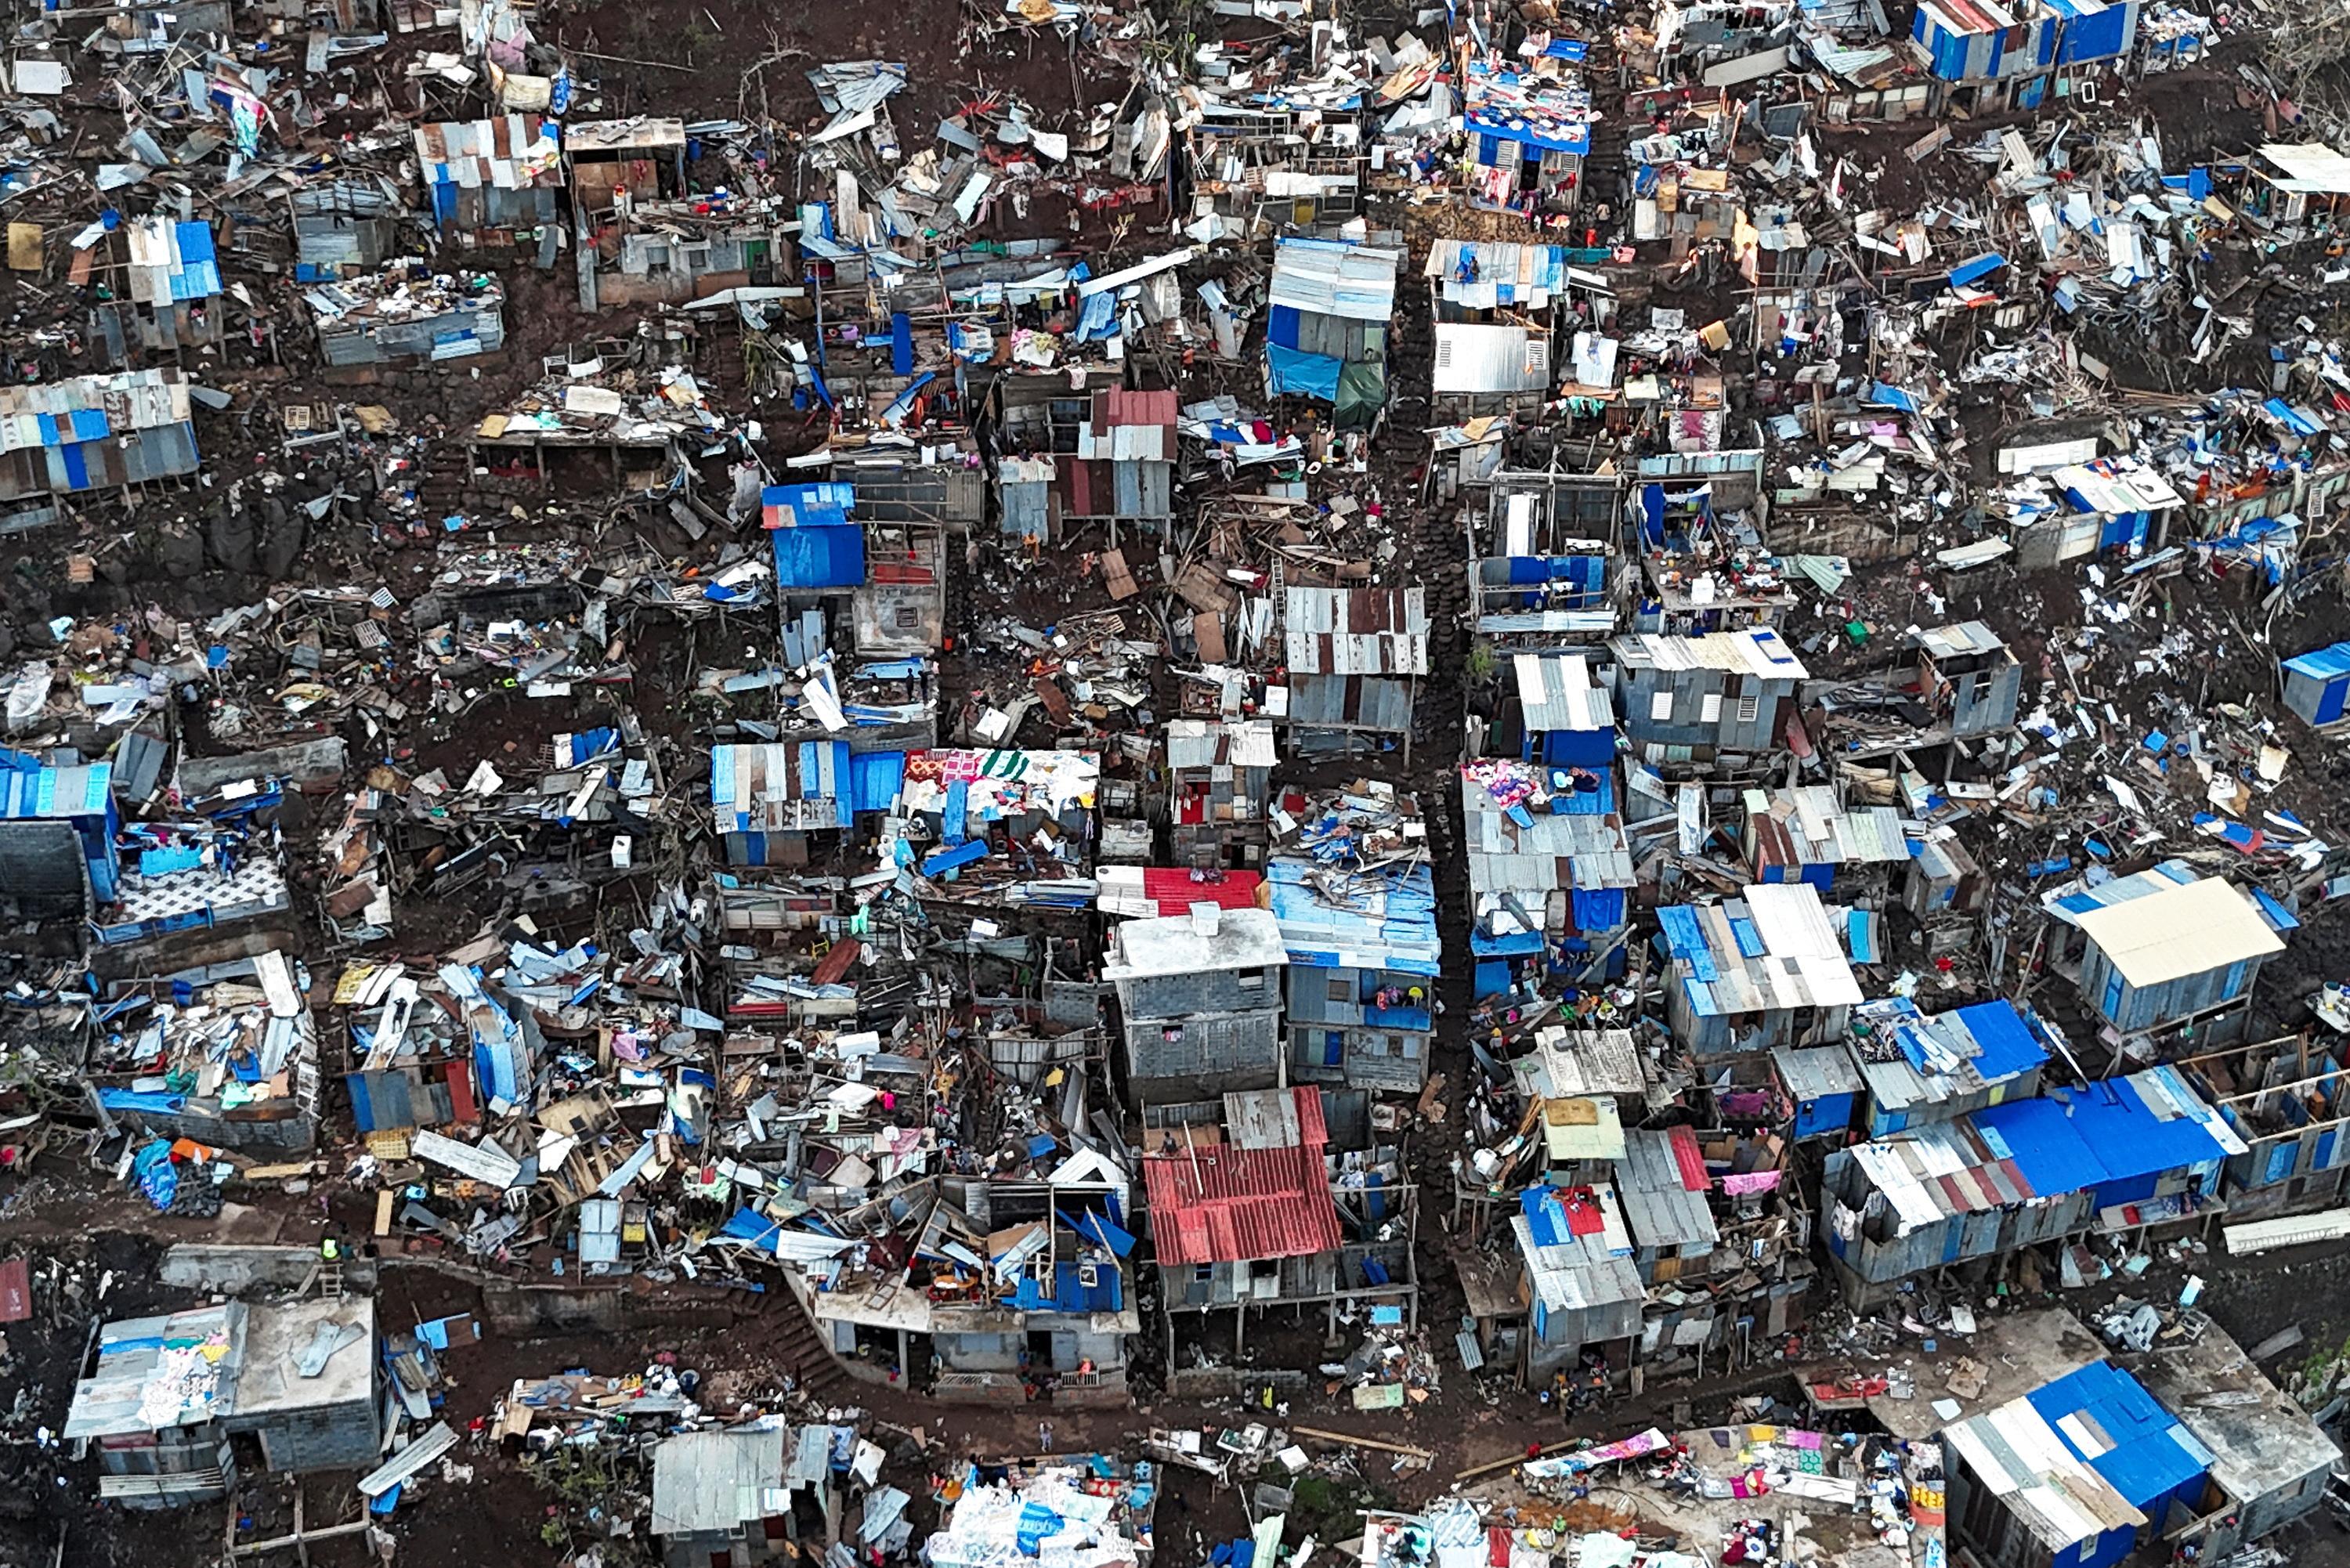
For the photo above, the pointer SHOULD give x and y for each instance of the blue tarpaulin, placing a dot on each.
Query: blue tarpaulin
(1499, 126)
(1287, 370)
(150, 1100)
(157, 1177)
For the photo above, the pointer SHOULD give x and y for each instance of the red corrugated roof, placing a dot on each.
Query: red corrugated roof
(1312, 1131)
(1120, 407)
(1691, 1161)
(1172, 890)
(1235, 1205)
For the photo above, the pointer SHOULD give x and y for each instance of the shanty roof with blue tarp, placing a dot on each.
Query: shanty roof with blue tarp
(1076, 1287)
(1333, 917)
(2149, 1456)
(799, 786)
(1944, 1056)
(1531, 831)
(1774, 948)
(816, 543)
(1548, 113)
(32, 789)
(2081, 1463)
(2115, 1136)
(171, 263)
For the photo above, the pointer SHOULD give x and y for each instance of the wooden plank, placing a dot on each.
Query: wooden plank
(409, 1461)
(1208, 631)
(279, 1543)
(1117, 576)
(1385, 1448)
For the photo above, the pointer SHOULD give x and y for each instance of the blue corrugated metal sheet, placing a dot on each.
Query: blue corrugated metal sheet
(874, 780)
(198, 274)
(1685, 939)
(940, 861)
(1389, 923)
(2103, 1136)
(2005, 1044)
(52, 791)
(2097, 32)
(2280, 919)
(2322, 663)
(2152, 1457)
(816, 545)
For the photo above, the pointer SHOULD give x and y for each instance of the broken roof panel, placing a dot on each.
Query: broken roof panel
(1328, 278)
(1212, 939)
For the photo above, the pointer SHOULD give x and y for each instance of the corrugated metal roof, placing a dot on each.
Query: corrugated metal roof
(1275, 1119)
(157, 1373)
(1965, 637)
(1334, 919)
(91, 407)
(1475, 356)
(2039, 1477)
(1659, 1206)
(2115, 484)
(2140, 1449)
(1381, 702)
(1807, 826)
(1356, 631)
(710, 1482)
(1518, 848)
(1505, 272)
(2322, 663)
(1230, 1205)
(1816, 1072)
(1571, 1272)
(1148, 892)
(1240, 939)
(1204, 743)
(85, 789)
(784, 786)
(1757, 650)
(473, 153)
(1567, 1062)
(609, 135)
(1559, 693)
(2122, 1129)
(2180, 929)
(1947, 1055)
(1791, 955)
(1326, 277)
